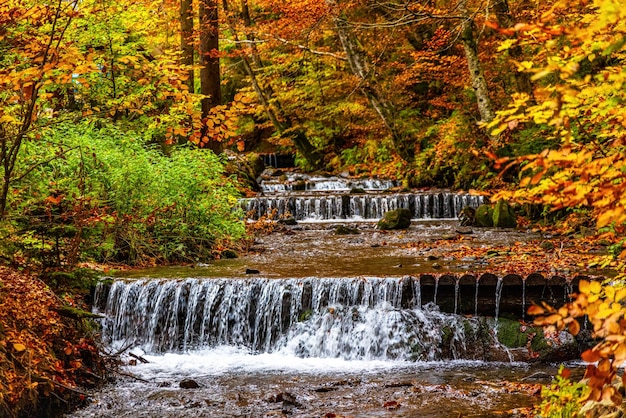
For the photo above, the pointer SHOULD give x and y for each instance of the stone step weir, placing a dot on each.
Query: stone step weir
(321, 184)
(352, 318)
(432, 205)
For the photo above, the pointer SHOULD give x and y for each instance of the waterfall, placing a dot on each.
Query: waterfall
(360, 206)
(359, 318)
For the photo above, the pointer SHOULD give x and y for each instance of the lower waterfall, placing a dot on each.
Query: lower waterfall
(348, 318)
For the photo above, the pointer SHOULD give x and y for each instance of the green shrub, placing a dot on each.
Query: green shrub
(103, 194)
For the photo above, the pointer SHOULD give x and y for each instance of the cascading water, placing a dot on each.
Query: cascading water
(353, 319)
(360, 206)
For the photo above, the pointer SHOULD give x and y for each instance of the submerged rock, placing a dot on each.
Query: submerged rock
(396, 219)
(188, 384)
(346, 230)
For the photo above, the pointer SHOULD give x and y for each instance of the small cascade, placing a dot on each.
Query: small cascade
(306, 183)
(363, 318)
(476, 297)
(278, 160)
(523, 299)
(443, 205)
(360, 318)
(498, 296)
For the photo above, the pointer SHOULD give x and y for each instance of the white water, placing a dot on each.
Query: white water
(346, 207)
(352, 319)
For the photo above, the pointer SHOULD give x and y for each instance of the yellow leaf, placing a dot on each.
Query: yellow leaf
(19, 347)
(595, 287)
(621, 294)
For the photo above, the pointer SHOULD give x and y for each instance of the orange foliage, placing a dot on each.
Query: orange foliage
(37, 355)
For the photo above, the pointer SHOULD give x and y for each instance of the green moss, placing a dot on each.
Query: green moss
(512, 334)
(305, 315)
(503, 215)
(484, 216)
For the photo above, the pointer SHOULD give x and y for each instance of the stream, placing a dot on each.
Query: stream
(315, 324)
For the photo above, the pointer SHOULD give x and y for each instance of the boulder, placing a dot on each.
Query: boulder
(483, 216)
(503, 215)
(396, 219)
(289, 220)
(188, 384)
(345, 230)
(467, 216)
(228, 253)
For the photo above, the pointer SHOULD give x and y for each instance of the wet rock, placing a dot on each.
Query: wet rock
(396, 219)
(503, 215)
(288, 221)
(299, 185)
(398, 385)
(464, 231)
(346, 230)
(228, 253)
(484, 216)
(188, 384)
(467, 217)
(252, 271)
(357, 190)
(286, 398)
(324, 389)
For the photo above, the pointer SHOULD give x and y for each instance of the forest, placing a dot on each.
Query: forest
(130, 129)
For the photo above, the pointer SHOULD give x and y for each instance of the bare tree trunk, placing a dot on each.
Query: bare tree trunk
(358, 62)
(479, 84)
(210, 65)
(186, 45)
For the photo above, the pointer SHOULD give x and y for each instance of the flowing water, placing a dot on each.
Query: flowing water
(354, 326)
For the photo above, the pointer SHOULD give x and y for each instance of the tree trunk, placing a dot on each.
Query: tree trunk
(186, 44)
(210, 66)
(285, 129)
(505, 20)
(358, 62)
(479, 84)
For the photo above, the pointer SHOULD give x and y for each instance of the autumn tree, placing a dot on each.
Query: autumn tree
(36, 71)
(579, 71)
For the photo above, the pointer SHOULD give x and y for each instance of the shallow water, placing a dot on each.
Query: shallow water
(235, 383)
(315, 250)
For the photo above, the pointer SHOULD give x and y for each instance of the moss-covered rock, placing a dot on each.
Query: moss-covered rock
(395, 219)
(345, 230)
(467, 216)
(483, 216)
(503, 215)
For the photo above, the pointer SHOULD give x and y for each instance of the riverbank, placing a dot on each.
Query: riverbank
(47, 358)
